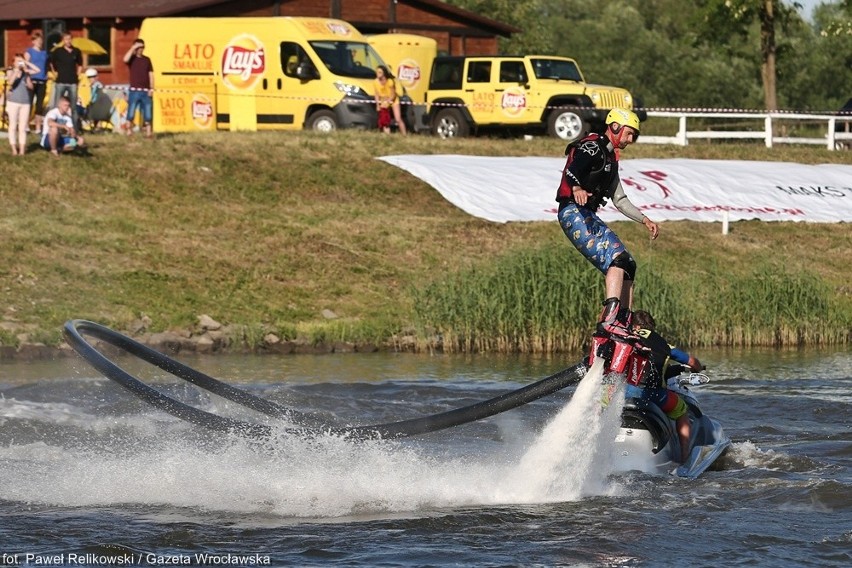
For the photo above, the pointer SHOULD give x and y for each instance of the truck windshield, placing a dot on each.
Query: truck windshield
(556, 69)
(348, 58)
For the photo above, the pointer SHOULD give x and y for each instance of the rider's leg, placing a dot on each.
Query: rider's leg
(683, 432)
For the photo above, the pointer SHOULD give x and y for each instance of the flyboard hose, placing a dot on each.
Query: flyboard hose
(305, 425)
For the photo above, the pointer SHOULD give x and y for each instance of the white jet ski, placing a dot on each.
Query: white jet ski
(647, 440)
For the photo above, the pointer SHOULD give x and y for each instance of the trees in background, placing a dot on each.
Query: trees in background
(753, 54)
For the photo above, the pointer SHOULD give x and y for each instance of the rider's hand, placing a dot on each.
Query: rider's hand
(581, 196)
(652, 227)
(695, 364)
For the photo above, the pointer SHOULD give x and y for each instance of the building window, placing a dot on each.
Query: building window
(102, 35)
(53, 30)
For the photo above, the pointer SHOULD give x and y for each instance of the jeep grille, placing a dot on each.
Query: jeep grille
(609, 98)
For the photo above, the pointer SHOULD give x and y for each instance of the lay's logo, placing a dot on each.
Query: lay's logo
(202, 111)
(408, 73)
(514, 101)
(243, 62)
(338, 29)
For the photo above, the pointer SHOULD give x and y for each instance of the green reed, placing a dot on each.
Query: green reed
(527, 301)
(548, 300)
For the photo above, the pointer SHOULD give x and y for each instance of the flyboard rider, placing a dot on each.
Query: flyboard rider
(589, 178)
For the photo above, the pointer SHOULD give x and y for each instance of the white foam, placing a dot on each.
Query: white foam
(571, 458)
(325, 477)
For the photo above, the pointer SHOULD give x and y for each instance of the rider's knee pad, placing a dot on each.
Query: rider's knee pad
(625, 262)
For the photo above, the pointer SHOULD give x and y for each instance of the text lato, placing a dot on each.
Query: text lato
(194, 51)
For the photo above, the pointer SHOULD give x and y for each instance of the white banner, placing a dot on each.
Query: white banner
(524, 189)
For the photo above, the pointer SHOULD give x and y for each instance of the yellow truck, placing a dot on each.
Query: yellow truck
(455, 95)
(274, 73)
(542, 92)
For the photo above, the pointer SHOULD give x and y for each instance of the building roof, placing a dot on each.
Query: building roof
(441, 7)
(45, 9)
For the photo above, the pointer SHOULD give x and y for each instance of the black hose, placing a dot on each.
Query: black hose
(307, 425)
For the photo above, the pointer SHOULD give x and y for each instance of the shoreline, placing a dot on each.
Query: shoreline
(219, 340)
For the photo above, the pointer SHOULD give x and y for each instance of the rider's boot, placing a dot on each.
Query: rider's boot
(615, 320)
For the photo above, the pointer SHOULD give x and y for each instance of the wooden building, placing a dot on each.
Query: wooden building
(115, 24)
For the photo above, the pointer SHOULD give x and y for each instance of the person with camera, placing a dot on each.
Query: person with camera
(19, 94)
(59, 131)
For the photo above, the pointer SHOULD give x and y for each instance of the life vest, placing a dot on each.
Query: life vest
(601, 180)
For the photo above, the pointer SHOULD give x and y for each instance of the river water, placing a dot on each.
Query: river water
(90, 476)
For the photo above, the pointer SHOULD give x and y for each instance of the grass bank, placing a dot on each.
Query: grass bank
(274, 232)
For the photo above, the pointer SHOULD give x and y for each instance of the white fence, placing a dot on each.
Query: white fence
(773, 124)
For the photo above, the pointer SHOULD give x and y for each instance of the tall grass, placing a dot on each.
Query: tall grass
(547, 300)
(265, 231)
(526, 301)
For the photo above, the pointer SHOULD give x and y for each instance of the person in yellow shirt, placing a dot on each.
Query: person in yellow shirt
(387, 101)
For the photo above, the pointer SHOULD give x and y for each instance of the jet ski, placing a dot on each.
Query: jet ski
(647, 440)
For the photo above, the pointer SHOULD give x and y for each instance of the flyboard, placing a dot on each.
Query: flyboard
(297, 423)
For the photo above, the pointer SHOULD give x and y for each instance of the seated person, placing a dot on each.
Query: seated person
(666, 362)
(59, 132)
(88, 97)
(95, 85)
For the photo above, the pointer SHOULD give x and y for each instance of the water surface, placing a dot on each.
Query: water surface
(89, 474)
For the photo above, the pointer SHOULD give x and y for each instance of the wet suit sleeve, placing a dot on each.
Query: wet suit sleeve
(680, 356)
(619, 199)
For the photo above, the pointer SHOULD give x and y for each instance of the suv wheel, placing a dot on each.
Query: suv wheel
(322, 121)
(449, 123)
(566, 124)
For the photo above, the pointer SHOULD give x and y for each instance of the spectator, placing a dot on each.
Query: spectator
(141, 86)
(95, 85)
(38, 57)
(67, 61)
(19, 94)
(59, 131)
(387, 100)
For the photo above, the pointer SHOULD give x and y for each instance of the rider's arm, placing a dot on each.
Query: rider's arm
(619, 199)
(623, 204)
(686, 359)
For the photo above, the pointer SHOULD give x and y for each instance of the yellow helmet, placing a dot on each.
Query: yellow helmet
(623, 117)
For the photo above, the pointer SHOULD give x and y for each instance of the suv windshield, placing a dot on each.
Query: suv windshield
(348, 58)
(556, 69)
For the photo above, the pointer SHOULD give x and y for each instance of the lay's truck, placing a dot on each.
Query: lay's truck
(275, 73)
(409, 57)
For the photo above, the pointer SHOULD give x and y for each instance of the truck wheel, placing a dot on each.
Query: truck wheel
(322, 121)
(566, 124)
(449, 123)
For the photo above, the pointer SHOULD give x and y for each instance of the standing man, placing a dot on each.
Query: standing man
(590, 178)
(67, 61)
(36, 55)
(141, 87)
